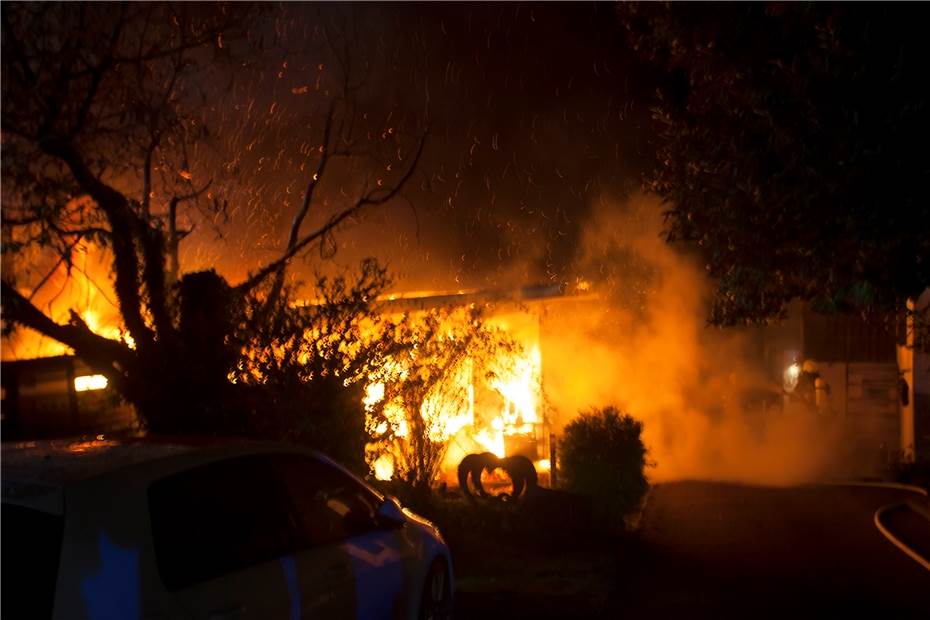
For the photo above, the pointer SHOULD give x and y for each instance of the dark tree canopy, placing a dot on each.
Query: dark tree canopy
(791, 148)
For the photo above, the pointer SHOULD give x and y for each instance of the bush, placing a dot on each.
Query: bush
(603, 457)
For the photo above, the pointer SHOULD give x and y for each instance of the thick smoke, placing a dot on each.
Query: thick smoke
(645, 346)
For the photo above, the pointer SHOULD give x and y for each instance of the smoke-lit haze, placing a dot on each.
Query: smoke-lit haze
(645, 346)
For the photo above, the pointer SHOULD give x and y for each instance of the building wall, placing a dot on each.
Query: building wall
(859, 363)
(873, 415)
(39, 400)
(914, 365)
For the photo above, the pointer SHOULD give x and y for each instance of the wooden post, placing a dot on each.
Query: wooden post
(906, 359)
(75, 414)
(553, 460)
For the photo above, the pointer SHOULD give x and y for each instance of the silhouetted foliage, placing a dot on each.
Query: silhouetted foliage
(301, 370)
(107, 126)
(602, 456)
(790, 147)
(428, 366)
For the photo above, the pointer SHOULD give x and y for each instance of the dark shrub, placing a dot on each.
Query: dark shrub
(911, 472)
(602, 456)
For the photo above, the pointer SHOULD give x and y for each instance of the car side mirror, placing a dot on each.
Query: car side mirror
(390, 514)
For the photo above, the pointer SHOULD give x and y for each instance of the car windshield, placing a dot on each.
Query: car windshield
(30, 551)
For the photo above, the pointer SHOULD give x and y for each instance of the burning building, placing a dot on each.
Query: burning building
(496, 404)
(501, 409)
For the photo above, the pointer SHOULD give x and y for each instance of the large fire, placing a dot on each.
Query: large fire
(469, 412)
(500, 412)
(84, 287)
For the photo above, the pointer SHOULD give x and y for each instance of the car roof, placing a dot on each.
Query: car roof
(36, 473)
(62, 461)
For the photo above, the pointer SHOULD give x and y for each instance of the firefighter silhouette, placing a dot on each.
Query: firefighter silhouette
(806, 388)
(812, 388)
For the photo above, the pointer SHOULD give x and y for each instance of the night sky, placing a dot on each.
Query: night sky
(536, 114)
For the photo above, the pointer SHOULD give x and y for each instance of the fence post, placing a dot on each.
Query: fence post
(553, 461)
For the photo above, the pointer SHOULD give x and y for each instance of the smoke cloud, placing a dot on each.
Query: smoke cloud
(644, 345)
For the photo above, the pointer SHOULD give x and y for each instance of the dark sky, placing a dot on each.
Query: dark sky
(536, 113)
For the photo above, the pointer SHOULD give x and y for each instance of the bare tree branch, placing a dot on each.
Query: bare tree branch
(294, 235)
(152, 241)
(100, 290)
(122, 224)
(85, 231)
(147, 180)
(174, 235)
(374, 197)
(48, 276)
(90, 346)
(96, 76)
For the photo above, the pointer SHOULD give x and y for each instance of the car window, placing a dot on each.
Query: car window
(30, 553)
(331, 506)
(219, 518)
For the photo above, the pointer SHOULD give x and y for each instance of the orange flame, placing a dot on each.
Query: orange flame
(86, 288)
(517, 383)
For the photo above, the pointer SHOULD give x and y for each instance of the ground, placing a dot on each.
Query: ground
(708, 549)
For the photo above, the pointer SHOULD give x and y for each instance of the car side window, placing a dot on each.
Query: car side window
(218, 518)
(331, 506)
(30, 552)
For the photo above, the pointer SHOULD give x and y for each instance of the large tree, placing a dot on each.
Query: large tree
(116, 118)
(791, 149)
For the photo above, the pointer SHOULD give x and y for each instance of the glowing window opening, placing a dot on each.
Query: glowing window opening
(87, 383)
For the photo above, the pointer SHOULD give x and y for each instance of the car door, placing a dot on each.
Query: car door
(360, 558)
(223, 540)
